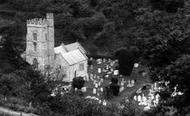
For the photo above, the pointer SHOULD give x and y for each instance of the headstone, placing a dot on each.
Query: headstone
(76, 89)
(91, 67)
(87, 78)
(91, 58)
(146, 108)
(98, 77)
(109, 72)
(129, 83)
(144, 74)
(104, 103)
(101, 80)
(100, 101)
(157, 97)
(107, 67)
(94, 76)
(139, 99)
(106, 76)
(136, 65)
(101, 89)
(83, 89)
(122, 83)
(132, 82)
(96, 85)
(99, 61)
(116, 72)
(104, 60)
(135, 98)
(121, 89)
(112, 63)
(99, 70)
(99, 83)
(94, 90)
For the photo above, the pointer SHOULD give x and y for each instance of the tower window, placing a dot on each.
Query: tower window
(35, 36)
(46, 36)
(35, 63)
(35, 46)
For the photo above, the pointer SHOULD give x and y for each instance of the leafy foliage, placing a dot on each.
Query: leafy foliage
(78, 82)
(164, 41)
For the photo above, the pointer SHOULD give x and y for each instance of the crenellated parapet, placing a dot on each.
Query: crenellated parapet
(37, 22)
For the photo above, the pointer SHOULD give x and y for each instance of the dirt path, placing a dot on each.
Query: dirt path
(14, 113)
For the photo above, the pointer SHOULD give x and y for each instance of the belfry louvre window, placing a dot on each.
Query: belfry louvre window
(35, 36)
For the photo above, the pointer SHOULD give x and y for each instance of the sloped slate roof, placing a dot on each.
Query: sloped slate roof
(74, 56)
(71, 57)
(74, 46)
(59, 49)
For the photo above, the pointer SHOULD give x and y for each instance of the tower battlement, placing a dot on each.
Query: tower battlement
(37, 22)
(48, 21)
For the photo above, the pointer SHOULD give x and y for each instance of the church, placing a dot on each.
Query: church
(65, 61)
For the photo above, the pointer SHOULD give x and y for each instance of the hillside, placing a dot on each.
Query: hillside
(102, 26)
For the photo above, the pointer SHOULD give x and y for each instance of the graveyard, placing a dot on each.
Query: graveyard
(100, 73)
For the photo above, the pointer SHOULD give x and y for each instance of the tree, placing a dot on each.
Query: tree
(78, 82)
(171, 6)
(163, 39)
(126, 61)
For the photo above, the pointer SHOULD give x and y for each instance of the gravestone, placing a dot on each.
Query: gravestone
(83, 89)
(94, 90)
(139, 99)
(136, 65)
(135, 98)
(99, 70)
(116, 72)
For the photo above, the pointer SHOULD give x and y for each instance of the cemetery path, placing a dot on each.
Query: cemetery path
(14, 113)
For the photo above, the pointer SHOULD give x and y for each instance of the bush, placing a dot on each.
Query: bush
(107, 94)
(115, 89)
(78, 82)
(114, 81)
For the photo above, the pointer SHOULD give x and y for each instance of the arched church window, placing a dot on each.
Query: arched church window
(35, 36)
(35, 63)
(35, 46)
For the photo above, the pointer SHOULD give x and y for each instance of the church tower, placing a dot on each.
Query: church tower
(40, 42)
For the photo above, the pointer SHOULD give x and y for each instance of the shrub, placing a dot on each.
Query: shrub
(115, 89)
(114, 81)
(78, 82)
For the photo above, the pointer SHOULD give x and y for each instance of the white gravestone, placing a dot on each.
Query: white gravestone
(101, 89)
(121, 89)
(91, 67)
(99, 83)
(104, 103)
(132, 82)
(99, 70)
(116, 72)
(135, 98)
(83, 89)
(96, 85)
(139, 98)
(94, 90)
(136, 65)
(104, 60)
